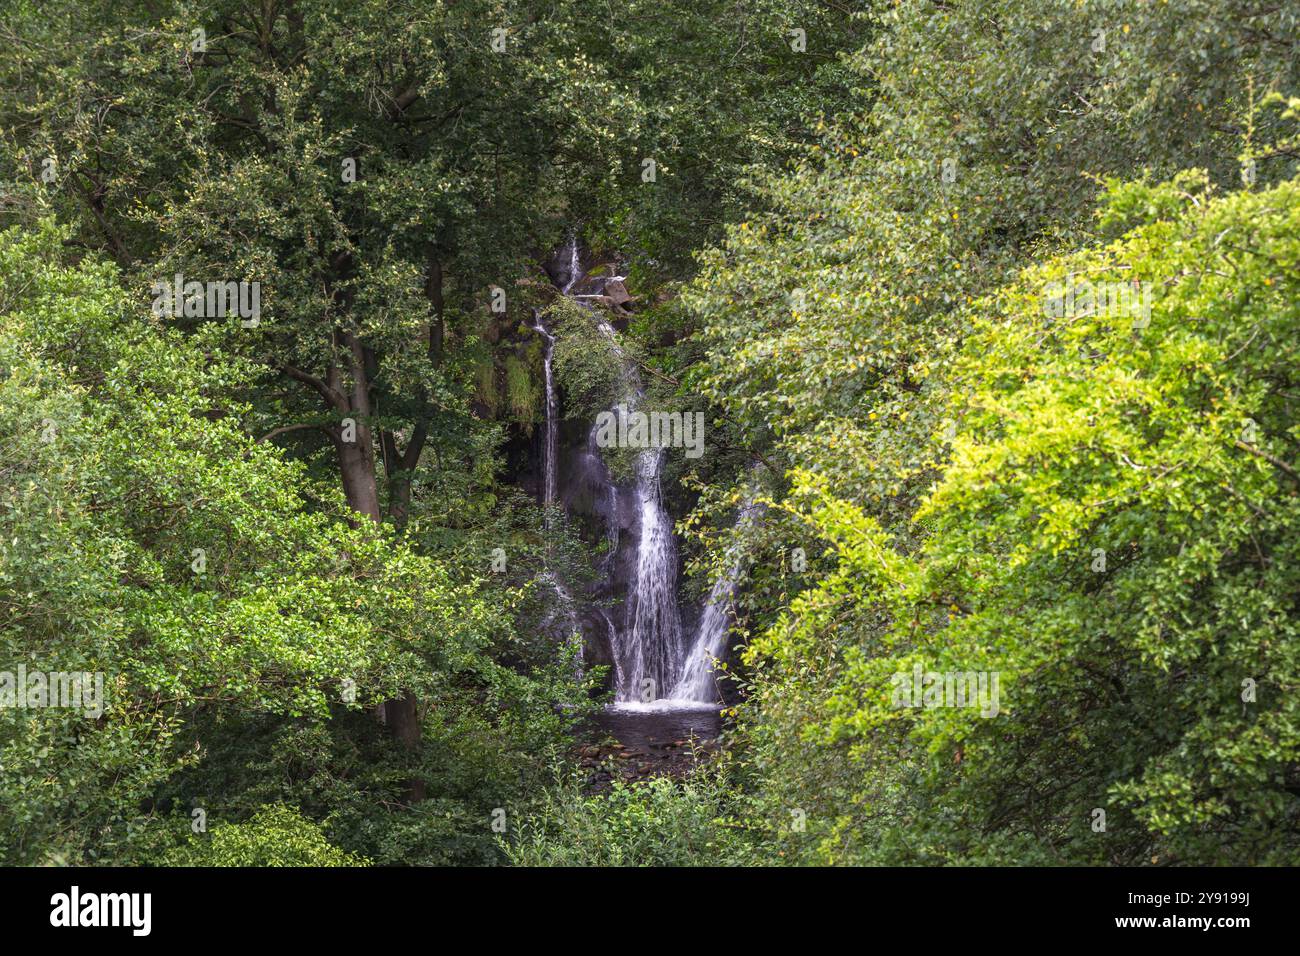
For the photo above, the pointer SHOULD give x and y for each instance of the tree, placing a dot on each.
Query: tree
(372, 171)
(206, 582)
(831, 321)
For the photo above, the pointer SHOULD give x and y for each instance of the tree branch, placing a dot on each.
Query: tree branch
(1277, 463)
(289, 428)
(335, 399)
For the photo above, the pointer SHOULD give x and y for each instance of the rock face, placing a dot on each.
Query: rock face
(597, 643)
(617, 292)
(564, 265)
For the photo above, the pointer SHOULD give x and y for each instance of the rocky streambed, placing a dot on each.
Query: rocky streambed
(632, 745)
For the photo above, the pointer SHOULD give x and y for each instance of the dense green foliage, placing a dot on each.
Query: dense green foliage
(857, 240)
(147, 537)
(275, 836)
(1111, 533)
(959, 459)
(657, 822)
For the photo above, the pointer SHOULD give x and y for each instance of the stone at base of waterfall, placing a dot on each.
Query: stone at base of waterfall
(607, 761)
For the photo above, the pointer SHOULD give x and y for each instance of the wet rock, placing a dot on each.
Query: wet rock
(617, 292)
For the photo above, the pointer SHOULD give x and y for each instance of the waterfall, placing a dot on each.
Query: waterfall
(697, 681)
(650, 651)
(575, 268)
(653, 651)
(551, 440)
(550, 446)
(656, 665)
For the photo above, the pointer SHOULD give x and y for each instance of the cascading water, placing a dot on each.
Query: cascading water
(575, 267)
(550, 481)
(656, 667)
(550, 443)
(652, 651)
(697, 681)
(565, 612)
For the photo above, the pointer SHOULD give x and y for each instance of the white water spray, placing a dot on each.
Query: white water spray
(657, 667)
(698, 681)
(550, 446)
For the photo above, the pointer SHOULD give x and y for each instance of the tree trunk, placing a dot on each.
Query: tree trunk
(399, 499)
(402, 717)
(433, 292)
(400, 464)
(357, 458)
(357, 466)
(354, 444)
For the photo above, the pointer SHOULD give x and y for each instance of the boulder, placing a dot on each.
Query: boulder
(617, 292)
